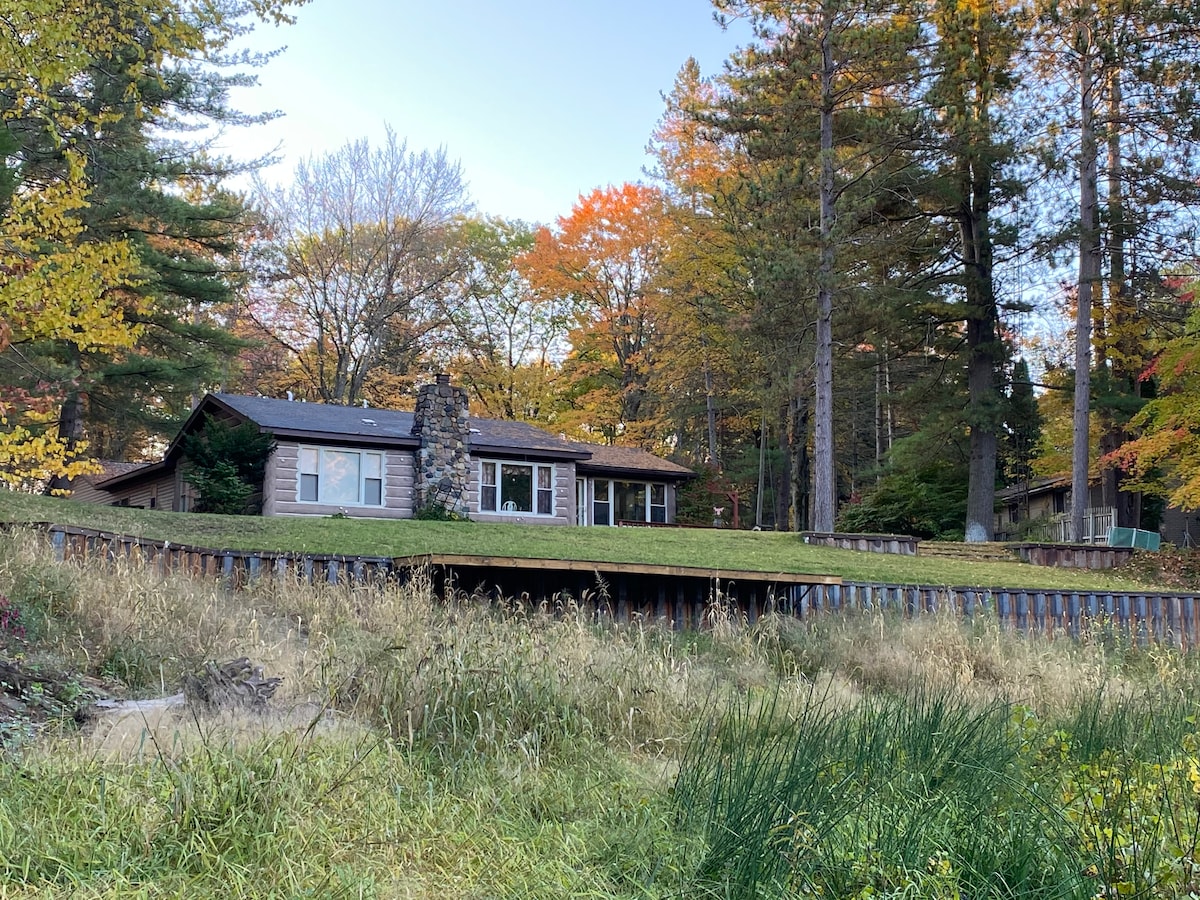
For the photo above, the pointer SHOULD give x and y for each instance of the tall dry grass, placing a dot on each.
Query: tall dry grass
(429, 747)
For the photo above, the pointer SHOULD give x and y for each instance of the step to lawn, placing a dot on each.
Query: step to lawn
(989, 551)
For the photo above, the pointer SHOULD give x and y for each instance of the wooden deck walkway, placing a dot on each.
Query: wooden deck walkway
(681, 595)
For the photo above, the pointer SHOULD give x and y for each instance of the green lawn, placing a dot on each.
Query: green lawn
(712, 548)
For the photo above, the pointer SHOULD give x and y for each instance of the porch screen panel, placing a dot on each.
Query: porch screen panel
(629, 498)
(658, 503)
(601, 508)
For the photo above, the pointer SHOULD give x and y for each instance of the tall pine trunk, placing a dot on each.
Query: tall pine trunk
(983, 348)
(824, 494)
(1089, 274)
(1124, 377)
(798, 463)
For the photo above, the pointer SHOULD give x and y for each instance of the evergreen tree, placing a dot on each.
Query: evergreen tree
(975, 48)
(226, 464)
(1125, 140)
(815, 105)
(120, 126)
(1022, 429)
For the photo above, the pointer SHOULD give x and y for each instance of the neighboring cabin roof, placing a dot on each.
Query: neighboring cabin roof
(327, 422)
(1034, 488)
(111, 469)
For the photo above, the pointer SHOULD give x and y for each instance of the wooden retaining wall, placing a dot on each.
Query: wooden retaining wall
(236, 567)
(1067, 556)
(1074, 556)
(901, 544)
(673, 595)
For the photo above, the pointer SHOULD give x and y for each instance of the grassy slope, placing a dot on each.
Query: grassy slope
(727, 550)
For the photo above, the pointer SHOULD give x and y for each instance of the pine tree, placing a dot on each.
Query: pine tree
(104, 130)
(1129, 138)
(814, 104)
(972, 78)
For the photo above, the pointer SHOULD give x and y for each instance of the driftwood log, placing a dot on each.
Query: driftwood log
(234, 685)
(35, 696)
(237, 684)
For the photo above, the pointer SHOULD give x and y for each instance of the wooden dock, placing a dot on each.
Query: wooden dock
(680, 595)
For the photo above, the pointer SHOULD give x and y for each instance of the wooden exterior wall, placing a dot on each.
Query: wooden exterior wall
(85, 492)
(162, 492)
(1042, 506)
(281, 486)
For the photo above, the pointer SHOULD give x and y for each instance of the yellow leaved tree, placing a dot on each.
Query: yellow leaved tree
(58, 282)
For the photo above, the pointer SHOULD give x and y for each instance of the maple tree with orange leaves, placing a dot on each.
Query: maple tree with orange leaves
(606, 258)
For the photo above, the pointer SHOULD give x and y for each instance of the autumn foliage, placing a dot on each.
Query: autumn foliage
(1165, 458)
(606, 257)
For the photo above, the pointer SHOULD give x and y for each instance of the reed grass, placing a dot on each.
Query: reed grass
(430, 747)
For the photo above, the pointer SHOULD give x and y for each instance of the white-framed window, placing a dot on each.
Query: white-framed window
(628, 501)
(338, 477)
(516, 487)
(602, 502)
(658, 503)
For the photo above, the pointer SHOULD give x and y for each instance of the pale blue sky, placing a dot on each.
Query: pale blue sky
(540, 100)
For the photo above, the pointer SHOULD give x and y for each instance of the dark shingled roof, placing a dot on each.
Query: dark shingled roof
(295, 419)
(113, 468)
(621, 459)
(110, 468)
(325, 420)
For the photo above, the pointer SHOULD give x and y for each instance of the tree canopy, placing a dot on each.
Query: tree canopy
(820, 295)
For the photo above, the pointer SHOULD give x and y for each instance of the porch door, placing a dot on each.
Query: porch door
(581, 504)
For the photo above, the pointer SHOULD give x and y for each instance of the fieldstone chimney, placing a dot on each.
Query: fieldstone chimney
(443, 462)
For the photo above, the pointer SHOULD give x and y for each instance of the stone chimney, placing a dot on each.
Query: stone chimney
(443, 462)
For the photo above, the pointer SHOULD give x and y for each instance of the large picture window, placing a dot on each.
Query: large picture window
(340, 477)
(506, 487)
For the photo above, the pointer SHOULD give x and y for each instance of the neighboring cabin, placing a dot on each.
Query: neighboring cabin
(386, 464)
(1039, 510)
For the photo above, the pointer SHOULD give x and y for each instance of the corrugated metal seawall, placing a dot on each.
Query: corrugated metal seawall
(673, 595)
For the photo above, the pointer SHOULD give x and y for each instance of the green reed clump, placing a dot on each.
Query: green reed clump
(1126, 775)
(263, 819)
(917, 794)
